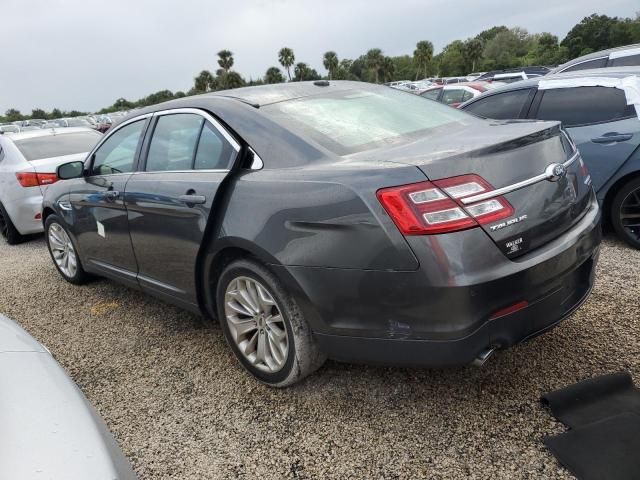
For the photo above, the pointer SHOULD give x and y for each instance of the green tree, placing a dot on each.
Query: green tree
(387, 69)
(179, 94)
(286, 59)
(55, 113)
(225, 60)
(301, 71)
(507, 49)
(38, 113)
(472, 52)
(273, 75)
(233, 80)
(422, 56)
(374, 62)
(204, 82)
(331, 63)
(451, 60)
(13, 115)
(490, 33)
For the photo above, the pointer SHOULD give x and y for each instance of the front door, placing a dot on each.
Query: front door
(169, 203)
(100, 216)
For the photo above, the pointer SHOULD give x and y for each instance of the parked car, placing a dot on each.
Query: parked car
(9, 128)
(456, 94)
(33, 122)
(28, 162)
(334, 219)
(75, 122)
(514, 74)
(605, 129)
(626, 56)
(49, 429)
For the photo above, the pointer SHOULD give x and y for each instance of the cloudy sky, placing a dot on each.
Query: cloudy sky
(84, 54)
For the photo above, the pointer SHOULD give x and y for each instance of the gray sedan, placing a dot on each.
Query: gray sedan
(335, 219)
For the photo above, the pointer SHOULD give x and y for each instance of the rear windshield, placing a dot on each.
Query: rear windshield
(356, 120)
(57, 145)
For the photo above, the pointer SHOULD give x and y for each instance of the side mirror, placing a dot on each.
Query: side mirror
(70, 170)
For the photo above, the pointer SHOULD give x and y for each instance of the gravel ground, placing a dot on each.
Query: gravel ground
(181, 407)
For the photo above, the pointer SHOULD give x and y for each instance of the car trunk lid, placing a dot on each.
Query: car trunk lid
(516, 157)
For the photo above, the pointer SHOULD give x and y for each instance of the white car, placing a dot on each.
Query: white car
(28, 163)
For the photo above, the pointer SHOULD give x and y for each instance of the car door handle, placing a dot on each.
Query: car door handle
(191, 199)
(612, 138)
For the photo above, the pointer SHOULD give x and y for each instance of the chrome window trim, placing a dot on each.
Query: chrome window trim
(207, 117)
(583, 61)
(517, 186)
(157, 172)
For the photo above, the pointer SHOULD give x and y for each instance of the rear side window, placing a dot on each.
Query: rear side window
(50, 146)
(214, 152)
(595, 63)
(1, 153)
(501, 106)
(174, 142)
(583, 105)
(467, 95)
(628, 61)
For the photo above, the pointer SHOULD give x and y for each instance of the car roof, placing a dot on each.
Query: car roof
(45, 132)
(591, 56)
(612, 72)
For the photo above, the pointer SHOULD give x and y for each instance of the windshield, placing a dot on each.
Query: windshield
(356, 120)
(50, 146)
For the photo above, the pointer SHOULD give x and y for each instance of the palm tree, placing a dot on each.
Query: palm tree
(273, 75)
(374, 60)
(388, 69)
(226, 60)
(204, 82)
(301, 71)
(472, 51)
(286, 59)
(422, 56)
(331, 62)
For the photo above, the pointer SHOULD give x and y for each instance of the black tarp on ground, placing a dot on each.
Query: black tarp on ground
(604, 416)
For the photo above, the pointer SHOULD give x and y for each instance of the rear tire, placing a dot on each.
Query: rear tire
(61, 247)
(625, 203)
(8, 229)
(254, 309)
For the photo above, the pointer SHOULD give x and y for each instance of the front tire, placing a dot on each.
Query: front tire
(63, 251)
(8, 229)
(264, 325)
(625, 213)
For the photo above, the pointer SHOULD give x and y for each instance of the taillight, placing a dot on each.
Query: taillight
(436, 207)
(33, 179)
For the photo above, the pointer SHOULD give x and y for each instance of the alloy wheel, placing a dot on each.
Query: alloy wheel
(256, 324)
(62, 250)
(630, 214)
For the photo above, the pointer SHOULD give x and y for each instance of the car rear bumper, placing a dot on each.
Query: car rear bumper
(407, 318)
(25, 214)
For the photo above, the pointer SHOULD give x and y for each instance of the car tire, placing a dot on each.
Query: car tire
(58, 238)
(255, 311)
(627, 198)
(8, 229)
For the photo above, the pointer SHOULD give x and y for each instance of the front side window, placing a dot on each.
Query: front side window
(174, 142)
(502, 106)
(432, 94)
(450, 96)
(584, 105)
(596, 63)
(118, 153)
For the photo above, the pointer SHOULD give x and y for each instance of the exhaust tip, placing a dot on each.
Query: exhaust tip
(483, 356)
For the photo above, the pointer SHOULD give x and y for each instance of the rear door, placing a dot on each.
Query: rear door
(100, 222)
(605, 129)
(169, 201)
